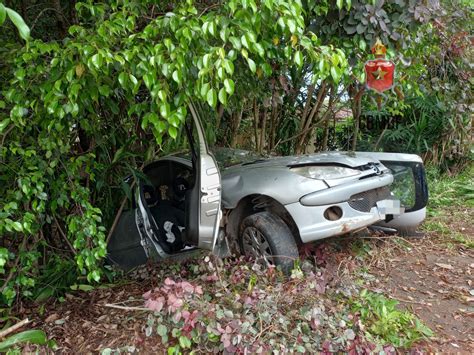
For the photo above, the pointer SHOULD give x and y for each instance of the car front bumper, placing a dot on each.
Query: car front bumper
(313, 225)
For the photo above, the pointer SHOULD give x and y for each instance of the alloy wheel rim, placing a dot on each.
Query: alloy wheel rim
(256, 245)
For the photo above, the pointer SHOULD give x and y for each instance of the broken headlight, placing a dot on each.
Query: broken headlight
(325, 172)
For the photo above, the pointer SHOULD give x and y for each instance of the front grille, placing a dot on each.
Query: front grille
(364, 201)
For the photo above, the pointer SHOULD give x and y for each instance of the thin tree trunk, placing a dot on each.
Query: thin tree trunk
(220, 113)
(273, 127)
(60, 18)
(262, 133)
(256, 116)
(356, 111)
(236, 119)
(317, 106)
(307, 105)
(327, 118)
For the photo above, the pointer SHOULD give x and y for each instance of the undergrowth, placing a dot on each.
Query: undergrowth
(384, 323)
(448, 191)
(234, 306)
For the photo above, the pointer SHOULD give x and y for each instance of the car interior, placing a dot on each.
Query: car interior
(171, 197)
(169, 184)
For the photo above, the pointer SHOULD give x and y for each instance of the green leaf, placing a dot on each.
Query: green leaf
(252, 65)
(362, 44)
(221, 72)
(34, 336)
(173, 132)
(83, 287)
(229, 67)
(184, 342)
(160, 126)
(161, 330)
(149, 80)
(212, 97)
(212, 28)
(123, 80)
(291, 25)
(339, 4)
(104, 90)
(97, 60)
(17, 20)
(260, 50)
(299, 58)
(3, 13)
(321, 65)
(229, 86)
(223, 96)
(348, 4)
(244, 41)
(165, 110)
(177, 76)
(204, 90)
(236, 43)
(162, 95)
(4, 124)
(335, 74)
(133, 80)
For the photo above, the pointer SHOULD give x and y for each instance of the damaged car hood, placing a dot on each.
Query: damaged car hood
(273, 177)
(241, 159)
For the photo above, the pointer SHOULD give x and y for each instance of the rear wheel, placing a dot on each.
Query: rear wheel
(268, 239)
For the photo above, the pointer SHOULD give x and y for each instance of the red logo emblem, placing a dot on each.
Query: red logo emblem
(379, 74)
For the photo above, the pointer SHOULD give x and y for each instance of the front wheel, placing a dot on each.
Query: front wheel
(268, 239)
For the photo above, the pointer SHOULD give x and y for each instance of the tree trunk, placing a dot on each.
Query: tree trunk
(300, 146)
(262, 133)
(327, 117)
(356, 111)
(256, 118)
(220, 113)
(273, 127)
(236, 119)
(60, 18)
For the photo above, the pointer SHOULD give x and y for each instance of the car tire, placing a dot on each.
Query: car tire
(268, 239)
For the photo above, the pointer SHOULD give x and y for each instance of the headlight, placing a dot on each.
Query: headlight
(325, 172)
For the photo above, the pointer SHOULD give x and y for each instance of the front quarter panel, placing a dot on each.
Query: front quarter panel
(279, 183)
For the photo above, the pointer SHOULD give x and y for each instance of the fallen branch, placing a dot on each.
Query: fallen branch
(13, 328)
(126, 308)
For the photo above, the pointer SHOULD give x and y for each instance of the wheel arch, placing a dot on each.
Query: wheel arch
(255, 203)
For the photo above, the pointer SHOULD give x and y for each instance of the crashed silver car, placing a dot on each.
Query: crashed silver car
(263, 207)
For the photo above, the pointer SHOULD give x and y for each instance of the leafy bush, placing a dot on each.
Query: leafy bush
(385, 324)
(78, 115)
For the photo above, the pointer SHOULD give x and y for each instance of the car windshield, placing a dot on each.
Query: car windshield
(227, 157)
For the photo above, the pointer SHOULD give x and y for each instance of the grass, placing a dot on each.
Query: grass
(446, 191)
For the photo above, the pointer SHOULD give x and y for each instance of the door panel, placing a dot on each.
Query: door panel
(205, 198)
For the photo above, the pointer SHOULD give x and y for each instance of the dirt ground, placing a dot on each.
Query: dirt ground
(433, 278)
(430, 276)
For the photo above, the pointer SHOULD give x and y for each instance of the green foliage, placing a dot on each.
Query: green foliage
(33, 336)
(385, 324)
(17, 20)
(78, 115)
